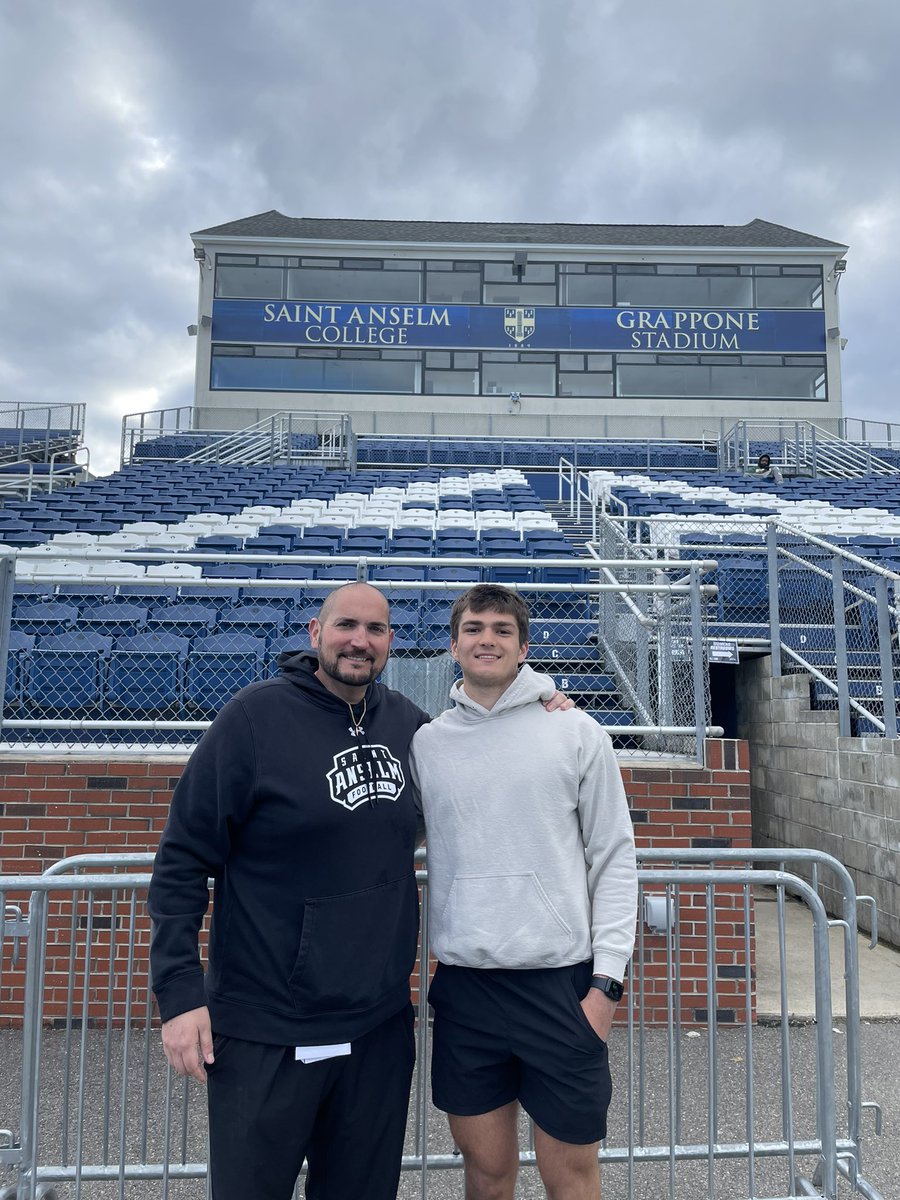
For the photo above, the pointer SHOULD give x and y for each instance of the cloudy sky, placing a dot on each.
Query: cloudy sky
(130, 123)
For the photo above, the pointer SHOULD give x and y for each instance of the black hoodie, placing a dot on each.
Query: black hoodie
(308, 830)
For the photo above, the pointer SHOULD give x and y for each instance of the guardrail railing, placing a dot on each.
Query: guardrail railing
(728, 1111)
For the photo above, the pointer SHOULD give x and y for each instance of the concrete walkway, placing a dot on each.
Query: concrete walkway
(879, 969)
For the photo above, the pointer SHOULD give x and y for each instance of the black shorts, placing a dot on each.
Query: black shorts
(503, 1035)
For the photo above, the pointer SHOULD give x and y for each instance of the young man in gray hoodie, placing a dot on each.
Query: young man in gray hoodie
(533, 888)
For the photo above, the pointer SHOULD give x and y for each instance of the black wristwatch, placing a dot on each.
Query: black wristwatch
(609, 987)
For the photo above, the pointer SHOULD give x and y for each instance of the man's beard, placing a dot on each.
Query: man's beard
(333, 666)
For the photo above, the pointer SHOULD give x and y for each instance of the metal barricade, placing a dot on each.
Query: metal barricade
(707, 1102)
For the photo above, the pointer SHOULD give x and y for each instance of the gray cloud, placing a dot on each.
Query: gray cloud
(127, 126)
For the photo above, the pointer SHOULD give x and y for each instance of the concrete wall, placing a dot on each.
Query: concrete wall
(812, 788)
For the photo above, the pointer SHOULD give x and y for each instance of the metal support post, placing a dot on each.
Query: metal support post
(774, 616)
(840, 645)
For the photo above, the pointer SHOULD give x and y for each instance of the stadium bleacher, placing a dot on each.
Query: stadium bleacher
(147, 638)
(99, 635)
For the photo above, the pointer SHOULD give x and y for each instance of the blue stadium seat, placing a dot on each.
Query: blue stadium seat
(218, 597)
(379, 533)
(743, 590)
(804, 595)
(65, 672)
(434, 630)
(406, 635)
(288, 570)
(289, 533)
(466, 576)
(20, 647)
(49, 618)
(145, 673)
(407, 545)
(183, 620)
(219, 543)
(220, 665)
(149, 593)
(336, 573)
(411, 533)
(230, 571)
(314, 544)
(31, 593)
(286, 598)
(24, 538)
(321, 533)
(552, 549)
(296, 631)
(259, 620)
(370, 547)
(114, 618)
(267, 545)
(457, 547)
(399, 574)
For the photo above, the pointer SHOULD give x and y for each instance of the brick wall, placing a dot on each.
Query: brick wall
(55, 808)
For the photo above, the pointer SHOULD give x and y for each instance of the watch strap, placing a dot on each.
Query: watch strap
(609, 987)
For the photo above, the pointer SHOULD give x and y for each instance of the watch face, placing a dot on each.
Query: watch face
(610, 987)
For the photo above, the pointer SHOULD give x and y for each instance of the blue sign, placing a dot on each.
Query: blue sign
(518, 327)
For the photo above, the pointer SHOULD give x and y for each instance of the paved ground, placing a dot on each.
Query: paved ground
(879, 969)
(881, 1066)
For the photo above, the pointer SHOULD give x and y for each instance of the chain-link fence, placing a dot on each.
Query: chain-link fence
(26, 427)
(837, 620)
(728, 551)
(124, 653)
(824, 609)
(39, 448)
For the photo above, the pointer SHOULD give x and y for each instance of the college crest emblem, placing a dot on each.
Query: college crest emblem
(518, 323)
(365, 773)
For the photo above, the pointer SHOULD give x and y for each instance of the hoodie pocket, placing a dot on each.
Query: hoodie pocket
(500, 920)
(356, 949)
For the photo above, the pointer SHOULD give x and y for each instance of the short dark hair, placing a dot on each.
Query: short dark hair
(490, 596)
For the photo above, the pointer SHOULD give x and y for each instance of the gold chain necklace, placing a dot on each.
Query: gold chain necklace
(356, 727)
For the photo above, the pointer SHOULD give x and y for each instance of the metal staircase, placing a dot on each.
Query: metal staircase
(283, 438)
(804, 449)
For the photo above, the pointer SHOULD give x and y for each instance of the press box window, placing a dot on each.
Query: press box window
(451, 373)
(588, 383)
(357, 285)
(535, 283)
(761, 377)
(534, 375)
(789, 291)
(453, 287)
(683, 290)
(264, 283)
(353, 371)
(588, 290)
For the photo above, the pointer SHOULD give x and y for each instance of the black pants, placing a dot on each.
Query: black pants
(346, 1116)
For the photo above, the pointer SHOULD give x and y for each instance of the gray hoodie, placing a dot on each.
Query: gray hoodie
(530, 845)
